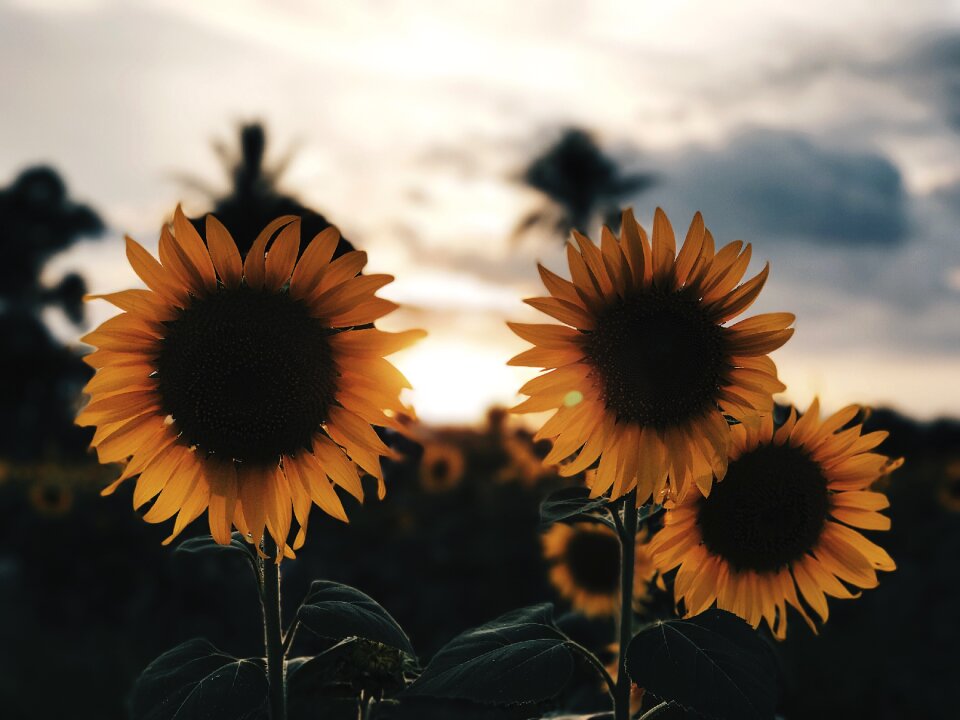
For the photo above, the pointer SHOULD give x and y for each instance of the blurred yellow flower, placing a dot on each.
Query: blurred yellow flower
(441, 466)
(644, 368)
(525, 459)
(245, 388)
(585, 566)
(51, 498)
(949, 492)
(782, 519)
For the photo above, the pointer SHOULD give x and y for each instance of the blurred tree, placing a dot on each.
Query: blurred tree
(41, 379)
(581, 183)
(254, 198)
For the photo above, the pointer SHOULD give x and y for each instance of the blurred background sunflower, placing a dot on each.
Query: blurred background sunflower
(441, 466)
(584, 560)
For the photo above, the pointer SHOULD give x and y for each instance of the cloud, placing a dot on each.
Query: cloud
(784, 186)
(933, 72)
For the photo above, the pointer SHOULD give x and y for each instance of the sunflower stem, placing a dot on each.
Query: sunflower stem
(628, 537)
(655, 711)
(272, 630)
(594, 661)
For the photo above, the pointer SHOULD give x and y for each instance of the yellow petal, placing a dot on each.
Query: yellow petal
(224, 253)
(282, 256)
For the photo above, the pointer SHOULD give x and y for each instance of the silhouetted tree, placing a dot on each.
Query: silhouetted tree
(255, 199)
(580, 182)
(41, 379)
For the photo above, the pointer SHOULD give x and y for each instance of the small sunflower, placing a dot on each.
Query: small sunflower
(645, 368)
(441, 466)
(51, 498)
(244, 387)
(783, 518)
(949, 492)
(525, 459)
(585, 566)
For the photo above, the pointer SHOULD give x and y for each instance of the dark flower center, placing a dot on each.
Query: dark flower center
(660, 358)
(593, 559)
(246, 374)
(768, 511)
(440, 469)
(953, 488)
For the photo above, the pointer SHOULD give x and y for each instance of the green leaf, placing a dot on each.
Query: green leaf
(328, 685)
(206, 543)
(422, 708)
(667, 711)
(195, 680)
(352, 665)
(336, 612)
(519, 658)
(645, 512)
(569, 503)
(714, 664)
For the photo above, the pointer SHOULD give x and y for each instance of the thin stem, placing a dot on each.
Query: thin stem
(628, 538)
(290, 635)
(617, 522)
(366, 707)
(597, 665)
(272, 632)
(654, 711)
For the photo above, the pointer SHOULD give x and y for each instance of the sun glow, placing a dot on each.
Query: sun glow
(457, 379)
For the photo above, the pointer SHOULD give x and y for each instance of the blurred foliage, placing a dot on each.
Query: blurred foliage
(41, 379)
(580, 183)
(254, 198)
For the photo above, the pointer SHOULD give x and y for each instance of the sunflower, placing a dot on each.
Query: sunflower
(782, 519)
(949, 492)
(441, 466)
(525, 461)
(51, 498)
(244, 388)
(585, 566)
(645, 368)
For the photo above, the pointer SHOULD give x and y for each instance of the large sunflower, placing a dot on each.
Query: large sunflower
(244, 387)
(782, 519)
(585, 566)
(642, 377)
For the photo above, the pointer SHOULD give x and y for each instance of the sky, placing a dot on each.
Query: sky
(825, 133)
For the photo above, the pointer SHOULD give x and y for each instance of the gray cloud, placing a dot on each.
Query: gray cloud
(784, 186)
(932, 71)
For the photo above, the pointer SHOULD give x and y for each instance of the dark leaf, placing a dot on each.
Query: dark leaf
(422, 708)
(646, 512)
(316, 689)
(206, 543)
(713, 663)
(195, 680)
(336, 612)
(668, 711)
(348, 668)
(519, 658)
(568, 503)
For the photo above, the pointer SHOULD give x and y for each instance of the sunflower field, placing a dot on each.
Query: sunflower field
(598, 463)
